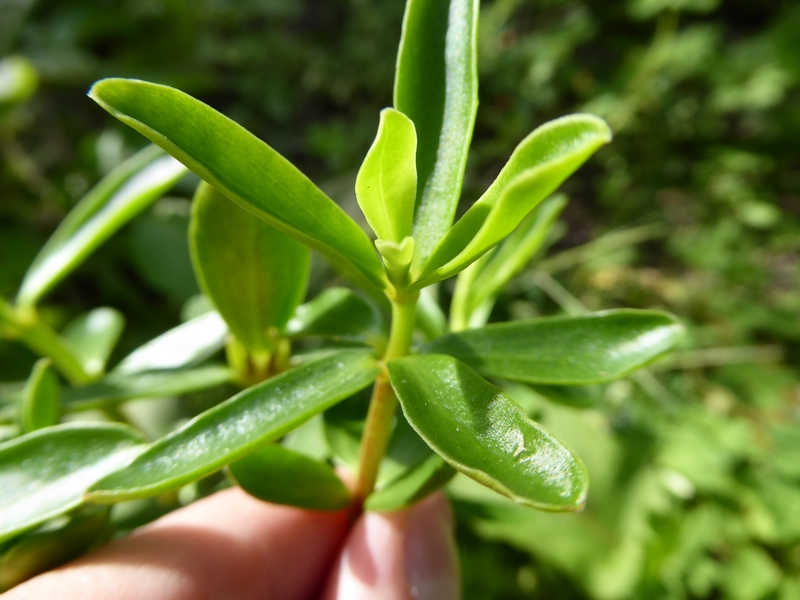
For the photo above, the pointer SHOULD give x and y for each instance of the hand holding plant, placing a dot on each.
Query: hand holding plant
(321, 358)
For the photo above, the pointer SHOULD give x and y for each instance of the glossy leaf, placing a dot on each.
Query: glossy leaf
(93, 336)
(386, 185)
(120, 196)
(412, 486)
(436, 86)
(187, 344)
(244, 168)
(281, 476)
(116, 388)
(45, 473)
(511, 257)
(565, 350)
(339, 314)
(543, 160)
(239, 426)
(255, 275)
(41, 551)
(481, 432)
(40, 399)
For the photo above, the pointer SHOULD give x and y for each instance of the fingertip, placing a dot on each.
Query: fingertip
(405, 555)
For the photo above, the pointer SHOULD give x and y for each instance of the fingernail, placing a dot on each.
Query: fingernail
(429, 551)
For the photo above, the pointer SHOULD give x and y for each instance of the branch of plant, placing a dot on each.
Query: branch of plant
(27, 327)
(383, 404)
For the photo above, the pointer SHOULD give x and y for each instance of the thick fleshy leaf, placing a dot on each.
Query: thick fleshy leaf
(93, 336)
(239, 426)
(541, 162)
(243, 168)
(41, 551)
(187, 344)
(278, 475)
(120, 196)
(436, 86)
(412, 486)
(255, 275)
(116, 388)
(516, 250)
(565, 350)
(44, 474)
(40, 400)
(386, 186)
(483, 433)
(339, 314)
(477, 286)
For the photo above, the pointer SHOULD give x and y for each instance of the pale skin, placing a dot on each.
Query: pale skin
(231, 546)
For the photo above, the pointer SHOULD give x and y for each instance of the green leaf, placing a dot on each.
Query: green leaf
(412, 486)
(281, 476)
(40, 400)
(255, 275)
(339, 314)
(93, 336)
(120, 196)
(436, 86)
(239, 426)
(386, 185)
(430, 319)
(116, 388)
(243, 168)
(484, 434)
(45, 473)
(565, 350)
(541, 162)
(43, 550)
(514, 253)
(187, 344)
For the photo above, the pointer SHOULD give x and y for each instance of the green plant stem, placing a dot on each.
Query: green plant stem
(29, 329)
(383, 405)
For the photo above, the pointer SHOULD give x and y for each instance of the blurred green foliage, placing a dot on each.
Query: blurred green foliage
(694, 465)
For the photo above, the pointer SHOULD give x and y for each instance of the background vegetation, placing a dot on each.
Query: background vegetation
(693, 208)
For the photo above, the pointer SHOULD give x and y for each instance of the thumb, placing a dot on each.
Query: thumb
(405, 555)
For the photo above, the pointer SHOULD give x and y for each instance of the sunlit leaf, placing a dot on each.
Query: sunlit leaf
(239, 426)
(541, 162)
(386, 185)
(483, 433)
(281, 476)
(187, 344)
(436, 86)
(44, 474)
(514, 253)
(93, 336)
(116, 388)
(565, 350)
(255, 275)
(120, 196)
(243, 168)
(40, 399)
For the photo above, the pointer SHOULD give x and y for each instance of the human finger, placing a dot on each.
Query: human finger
(405, 555)
(228, 546)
